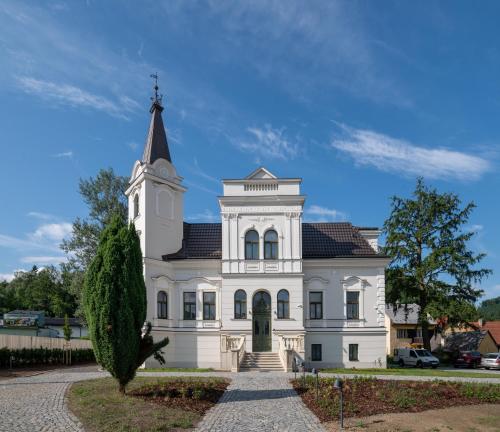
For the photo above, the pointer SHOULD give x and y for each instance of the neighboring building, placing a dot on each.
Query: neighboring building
(261, 280)
(404, 329)
(78, 329)
(492, 326)
(25, 323)
(479, 340)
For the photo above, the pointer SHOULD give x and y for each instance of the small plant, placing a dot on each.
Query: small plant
(67, 328)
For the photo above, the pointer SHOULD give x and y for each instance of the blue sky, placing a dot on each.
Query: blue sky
(357, 98)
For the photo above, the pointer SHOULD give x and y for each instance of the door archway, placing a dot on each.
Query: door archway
(261, 322)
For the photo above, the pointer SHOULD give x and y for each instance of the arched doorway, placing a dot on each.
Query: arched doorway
(261, 322)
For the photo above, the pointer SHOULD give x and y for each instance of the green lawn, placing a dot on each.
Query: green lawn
(175, 370)
(412, 372)
(101, 408)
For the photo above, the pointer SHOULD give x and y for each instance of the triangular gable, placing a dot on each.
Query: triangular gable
(260, 173)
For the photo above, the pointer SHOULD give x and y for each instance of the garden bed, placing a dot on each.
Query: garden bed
(364, 396)
(151, 404)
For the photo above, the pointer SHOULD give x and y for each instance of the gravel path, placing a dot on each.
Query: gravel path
(254, 401)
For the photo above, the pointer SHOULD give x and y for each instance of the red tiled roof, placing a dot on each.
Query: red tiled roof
(493, 327)
(319, 240)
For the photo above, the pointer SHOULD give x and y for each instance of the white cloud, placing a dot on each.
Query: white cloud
(43, 260)
(54, 231)
(196, 169)
(41, 215)
(268, 143)
(475, 228)
(205, 216)
(389, 154)
(67, 154)
(74, 96)
(132, 145)
(6, 276)
(318, 213)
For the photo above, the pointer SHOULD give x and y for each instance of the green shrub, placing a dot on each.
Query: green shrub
(42, 356)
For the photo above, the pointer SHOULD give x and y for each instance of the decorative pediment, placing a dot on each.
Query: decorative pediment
(261, 173)
(316, 279)
(354, 281)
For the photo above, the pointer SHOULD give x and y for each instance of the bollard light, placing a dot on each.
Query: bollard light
(316, 372)
(338, 385)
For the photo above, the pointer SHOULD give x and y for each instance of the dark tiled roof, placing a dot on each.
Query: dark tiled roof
(156, 142)
(464, 341)
(319, 240)
(333, 239)
(402, 315)
(201, 240)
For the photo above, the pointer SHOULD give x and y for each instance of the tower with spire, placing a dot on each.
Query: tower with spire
(155, 194)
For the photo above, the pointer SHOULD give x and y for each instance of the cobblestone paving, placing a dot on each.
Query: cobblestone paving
(254, 402)
(37, 403)
(262, 402)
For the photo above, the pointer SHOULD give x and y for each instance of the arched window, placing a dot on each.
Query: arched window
(136, 205)
(240, 304)
(271, 245)
(283, 304)
(252, 245)
(162, 305)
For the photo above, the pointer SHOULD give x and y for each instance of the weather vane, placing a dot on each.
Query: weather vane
(157, 97)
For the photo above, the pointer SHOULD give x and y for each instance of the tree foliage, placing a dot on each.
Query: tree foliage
(37, 289)
(67, 328)
(115, 304)
(105, 196)
(431, 262)
(490, 309)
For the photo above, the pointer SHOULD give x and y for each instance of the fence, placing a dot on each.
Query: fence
(31, 342)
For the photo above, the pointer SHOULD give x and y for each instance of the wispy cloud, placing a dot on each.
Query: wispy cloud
(66, 154)
(42, 216)
(74, 96)
(132, 145)
(268, 143)
(370, 148)
(201, 187)
(43, 260)
(197, 170)
(205, 216)
(318, 213)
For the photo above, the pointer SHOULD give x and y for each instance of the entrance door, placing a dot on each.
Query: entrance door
(261, 316)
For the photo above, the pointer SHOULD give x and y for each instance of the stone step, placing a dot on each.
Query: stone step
(261, 361)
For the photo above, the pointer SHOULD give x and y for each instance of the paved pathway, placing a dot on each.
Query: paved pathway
(254, 402)
(260, 402)
(37, 403)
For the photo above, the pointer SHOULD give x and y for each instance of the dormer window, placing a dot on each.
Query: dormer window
(252, 245)
(136, 205)
(271, 245)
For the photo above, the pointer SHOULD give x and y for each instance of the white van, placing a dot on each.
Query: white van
(415, 357)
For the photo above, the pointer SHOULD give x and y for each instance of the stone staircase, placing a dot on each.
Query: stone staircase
(261, 362)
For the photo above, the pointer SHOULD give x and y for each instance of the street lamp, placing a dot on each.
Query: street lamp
(338, 385)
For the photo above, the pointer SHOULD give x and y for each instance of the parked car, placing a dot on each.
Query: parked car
(415, 357)
(491, 361)
(470, 359)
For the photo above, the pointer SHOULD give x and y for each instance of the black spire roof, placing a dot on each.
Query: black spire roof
(156, 143)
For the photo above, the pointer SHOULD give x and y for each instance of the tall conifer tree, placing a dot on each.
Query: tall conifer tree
(115, 304)
(432, 264)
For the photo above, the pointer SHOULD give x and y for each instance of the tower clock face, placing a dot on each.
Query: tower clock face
(164, 172)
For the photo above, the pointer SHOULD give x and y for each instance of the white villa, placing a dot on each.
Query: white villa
(262, 288)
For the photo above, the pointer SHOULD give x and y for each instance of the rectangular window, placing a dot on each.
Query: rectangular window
(402, 334)
(353, 352)
(316, 305)
(316, 352)
(352, 305)
(189, 305)
(208, 305)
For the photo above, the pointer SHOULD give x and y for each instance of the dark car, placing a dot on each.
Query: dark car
(470, 359)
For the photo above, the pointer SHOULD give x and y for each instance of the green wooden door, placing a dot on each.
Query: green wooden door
(261, 313)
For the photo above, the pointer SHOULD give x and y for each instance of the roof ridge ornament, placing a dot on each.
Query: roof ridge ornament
(157, 98)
